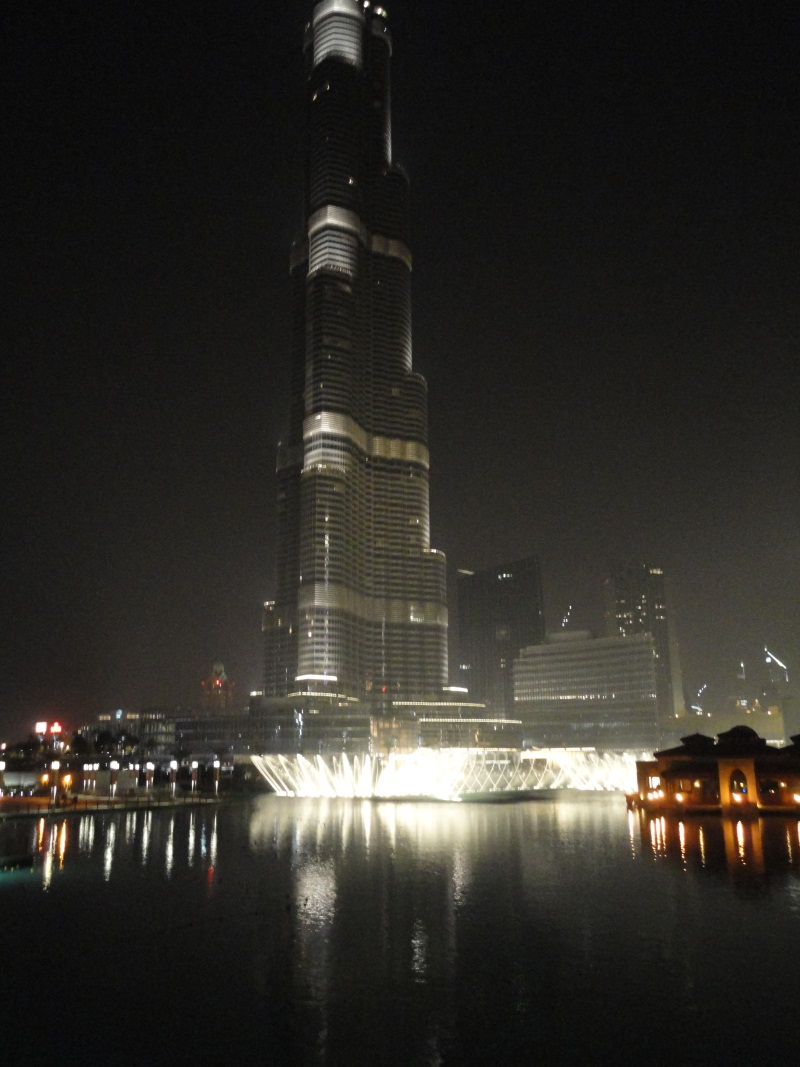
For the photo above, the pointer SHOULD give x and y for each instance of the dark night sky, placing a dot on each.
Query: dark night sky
(606, 308)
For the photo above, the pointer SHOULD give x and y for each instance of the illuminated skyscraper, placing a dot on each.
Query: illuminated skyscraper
(636, 602)
(360, 607)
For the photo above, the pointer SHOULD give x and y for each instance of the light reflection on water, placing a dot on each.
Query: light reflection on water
(190, 843)
(108, 853)
(169, 851)
(341, 931)
(147, 824)
(747, 850)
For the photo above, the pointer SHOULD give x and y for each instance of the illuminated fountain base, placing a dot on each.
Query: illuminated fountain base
(448, 773)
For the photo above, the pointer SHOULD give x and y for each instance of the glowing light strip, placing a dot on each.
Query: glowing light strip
(332, 217)
(328, 696)
(438, 704)
(336, 7)
(392, 611)
(456, 720)
(338, 218)
(336, 424)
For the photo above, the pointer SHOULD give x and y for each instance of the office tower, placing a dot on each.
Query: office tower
(499, 612)
(636, 602)
(360, 609)
(218, 691)
(579, 690)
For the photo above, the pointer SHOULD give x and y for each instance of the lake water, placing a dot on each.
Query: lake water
(274, 931)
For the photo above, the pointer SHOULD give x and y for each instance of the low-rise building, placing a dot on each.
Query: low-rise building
(736, 773)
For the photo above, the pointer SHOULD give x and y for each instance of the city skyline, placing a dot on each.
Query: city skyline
(605, 308)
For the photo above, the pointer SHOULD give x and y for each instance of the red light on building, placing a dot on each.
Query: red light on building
(55, 728)
(218, 690)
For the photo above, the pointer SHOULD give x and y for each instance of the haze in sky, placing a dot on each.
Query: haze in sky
(606, 224)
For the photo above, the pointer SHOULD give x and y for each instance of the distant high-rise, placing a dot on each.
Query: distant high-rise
(499, 612)
(360, 608)
(218, 690)
(636, 603)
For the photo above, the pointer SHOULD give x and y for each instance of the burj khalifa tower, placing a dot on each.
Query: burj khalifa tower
(360, 610)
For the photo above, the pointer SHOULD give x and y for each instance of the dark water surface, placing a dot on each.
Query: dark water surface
(310, 932)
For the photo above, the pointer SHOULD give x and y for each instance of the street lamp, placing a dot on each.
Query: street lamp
(114, 766)
(55, 767)
(216, 777)
(173, 772)
(194, 775)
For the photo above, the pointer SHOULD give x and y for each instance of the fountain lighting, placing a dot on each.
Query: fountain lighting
(448, 773)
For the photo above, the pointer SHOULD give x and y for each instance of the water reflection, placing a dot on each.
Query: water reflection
(169, 854)
(108, 851)
(86, 835)
(450, 842)
(355, 932)
(419, 945)
(62, 844)
(212, 848)
(190, 843)
(423, 882)
(746, 850)
(146, 830)
(103, 840)
(372, 901)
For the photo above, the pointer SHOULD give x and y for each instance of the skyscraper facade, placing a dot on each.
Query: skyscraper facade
(585, 691)
(636, 603)
(360, 608)
(499, 612)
